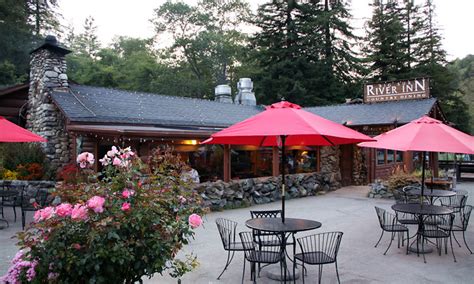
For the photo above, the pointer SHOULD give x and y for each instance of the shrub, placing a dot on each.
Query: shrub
(400, 180)
(69, 174)
(30, 171)
(10, 175)
(128, 223)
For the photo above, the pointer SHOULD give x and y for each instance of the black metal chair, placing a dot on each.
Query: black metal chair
(13, 201)
(319, 249)
(389, 223)
(256, 253)
(32, 204)
(438, 227)
(460, 225)
(404, 218)
(227, 231)
(456, 202)
(266, 214)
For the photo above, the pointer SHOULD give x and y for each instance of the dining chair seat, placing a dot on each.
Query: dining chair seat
(315, 257)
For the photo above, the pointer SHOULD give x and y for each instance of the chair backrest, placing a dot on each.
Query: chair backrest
(465, 216)
(399, 195)
(437, 222)
(265, 213)
(385, 218)
(462, 192)
(226, 230)
(40, 197)
(327, 243)
(252, 246)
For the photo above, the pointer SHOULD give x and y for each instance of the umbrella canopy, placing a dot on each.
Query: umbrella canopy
(286, 119)
(285, 123)
(10, 132)
(424, 134)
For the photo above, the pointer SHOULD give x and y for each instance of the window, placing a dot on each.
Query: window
(303, 161)
(389, 157)
(380, 157)
(399, 157)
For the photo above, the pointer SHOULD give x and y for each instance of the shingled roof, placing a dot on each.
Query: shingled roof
(96, 105)
(110, 106)
(399, 112)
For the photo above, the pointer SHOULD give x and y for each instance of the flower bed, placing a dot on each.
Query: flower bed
(120, 225)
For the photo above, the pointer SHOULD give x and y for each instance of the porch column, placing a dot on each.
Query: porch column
(408, 161)
(275, 161)
(227, 176)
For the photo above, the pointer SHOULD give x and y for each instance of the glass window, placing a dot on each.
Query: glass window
(390, 156)
(380, 157)
(399, 157)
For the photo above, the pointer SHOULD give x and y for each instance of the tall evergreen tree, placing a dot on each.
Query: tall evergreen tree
(385, 50)
(43, 16)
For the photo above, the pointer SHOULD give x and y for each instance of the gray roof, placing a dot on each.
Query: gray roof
(87, 104)
(104, 105)
(377, 113)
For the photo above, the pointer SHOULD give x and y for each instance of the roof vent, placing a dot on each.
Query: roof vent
(223, 94)
(245, 96)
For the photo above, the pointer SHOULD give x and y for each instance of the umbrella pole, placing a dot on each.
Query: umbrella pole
(423, 177)
(283, 183)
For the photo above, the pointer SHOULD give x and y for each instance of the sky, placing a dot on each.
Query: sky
(131, 18)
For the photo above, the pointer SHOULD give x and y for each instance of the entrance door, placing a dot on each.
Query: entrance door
(346, 164)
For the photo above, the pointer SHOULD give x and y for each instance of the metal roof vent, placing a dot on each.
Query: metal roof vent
(223, 94)
(245, 96)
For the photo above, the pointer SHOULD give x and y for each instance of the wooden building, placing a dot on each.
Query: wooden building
(86, 118)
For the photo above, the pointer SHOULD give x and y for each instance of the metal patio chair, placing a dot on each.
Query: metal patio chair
(438, 227)
(32, 204)
(319, 249)
(255, 253)
(460, 225)
(227, 231)
(389, 223)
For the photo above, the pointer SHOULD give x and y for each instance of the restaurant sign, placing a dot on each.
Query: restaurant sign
(413, 89)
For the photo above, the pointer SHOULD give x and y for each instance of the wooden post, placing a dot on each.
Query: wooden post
(227, 176)
(408, 161)
(275, 161)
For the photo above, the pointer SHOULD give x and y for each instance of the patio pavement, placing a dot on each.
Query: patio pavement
(348, 210)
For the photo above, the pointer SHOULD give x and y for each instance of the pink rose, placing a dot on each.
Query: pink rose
(116, 162)
(194, 220)
(105, 161)
(112, 152)
(64, 209)
(96, 203)
(47, 213)
(126, 193)
(125, 206)
(76, 246)
(79, 212)
(85, 158)
(181, 199)
(37, 217)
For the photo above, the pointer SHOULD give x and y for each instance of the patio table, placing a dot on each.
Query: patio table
(432, 194)
(291, 226)
(4, 194)
(421, 210)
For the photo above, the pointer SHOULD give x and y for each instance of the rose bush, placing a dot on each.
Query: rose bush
(125, 223)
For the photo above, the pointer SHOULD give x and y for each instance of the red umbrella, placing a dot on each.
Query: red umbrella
(10, 132)
(282, 124)
(424, 134)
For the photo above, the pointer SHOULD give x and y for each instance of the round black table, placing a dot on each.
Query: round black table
(3, 194)
(421, 210)
(435, 193)
(291, 225)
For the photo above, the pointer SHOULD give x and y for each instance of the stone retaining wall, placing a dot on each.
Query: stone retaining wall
(31, 186)
(240, 193)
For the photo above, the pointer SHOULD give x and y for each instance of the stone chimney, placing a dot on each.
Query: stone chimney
(48, 74)
(245, 96)
(223, 94)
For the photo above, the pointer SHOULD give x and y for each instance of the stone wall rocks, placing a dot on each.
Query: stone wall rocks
(220, 195)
